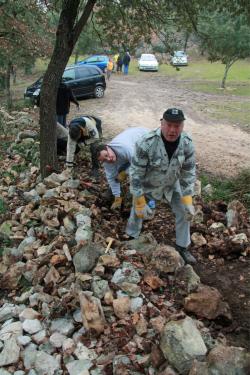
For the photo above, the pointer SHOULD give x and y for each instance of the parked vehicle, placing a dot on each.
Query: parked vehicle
(84, 80)
(99, 60)
(179, 58)
(148, 61)
(28, 93)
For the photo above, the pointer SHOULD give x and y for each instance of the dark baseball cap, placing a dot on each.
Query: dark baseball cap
(174, 115)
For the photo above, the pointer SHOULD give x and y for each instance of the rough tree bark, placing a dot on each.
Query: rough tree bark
(68, 31)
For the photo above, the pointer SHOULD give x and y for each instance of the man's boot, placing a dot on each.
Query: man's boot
(186, 255)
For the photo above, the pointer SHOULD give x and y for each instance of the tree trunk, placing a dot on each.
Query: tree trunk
(186, 41)
(66, 36)
(228, 66)
(7, 86)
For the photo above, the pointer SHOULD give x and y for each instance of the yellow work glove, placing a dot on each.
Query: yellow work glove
(140, 206)
(122, 176)
(187, 201)
(117, 203)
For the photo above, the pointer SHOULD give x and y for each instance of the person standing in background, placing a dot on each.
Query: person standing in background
(115, 58)
(126, 61)
(110, 67)
(64, 97)
(119, 64)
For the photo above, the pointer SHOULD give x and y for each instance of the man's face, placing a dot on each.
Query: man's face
(171, 130)
(107, 156)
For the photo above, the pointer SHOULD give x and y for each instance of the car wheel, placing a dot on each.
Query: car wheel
(99, 92)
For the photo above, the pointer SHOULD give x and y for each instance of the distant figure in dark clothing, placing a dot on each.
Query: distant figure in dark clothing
(64, 97)
(119, 64)
(126, 61)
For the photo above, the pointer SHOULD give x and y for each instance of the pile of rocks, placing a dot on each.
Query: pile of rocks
(78, 302)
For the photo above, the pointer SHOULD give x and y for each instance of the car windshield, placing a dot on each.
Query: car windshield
(148, 58)
(179, 53)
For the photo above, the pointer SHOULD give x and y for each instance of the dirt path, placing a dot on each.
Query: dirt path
(140, 101)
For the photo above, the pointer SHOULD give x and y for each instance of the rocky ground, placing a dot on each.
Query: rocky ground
(78, 298)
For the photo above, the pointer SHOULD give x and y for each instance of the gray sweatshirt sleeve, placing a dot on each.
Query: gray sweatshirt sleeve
(111, 174)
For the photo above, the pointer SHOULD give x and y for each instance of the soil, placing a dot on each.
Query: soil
(130, 101)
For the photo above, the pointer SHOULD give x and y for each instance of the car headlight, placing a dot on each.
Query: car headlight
(36, 92)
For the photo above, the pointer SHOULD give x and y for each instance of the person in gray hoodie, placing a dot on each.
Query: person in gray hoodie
(116, 157)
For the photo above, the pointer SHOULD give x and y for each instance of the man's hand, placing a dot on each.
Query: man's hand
(140, 206)
(188, 206)
(117, 203)
(122, 176)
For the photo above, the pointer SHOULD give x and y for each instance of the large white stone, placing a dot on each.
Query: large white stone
(63, 326)
(32, 326)
(181, 343)
(80, 367)
(29, 313)
(57, 339)
(10, 329)
(46, 364)
(10, 352)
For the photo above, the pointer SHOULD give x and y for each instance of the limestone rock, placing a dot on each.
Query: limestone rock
(83, 234)
(63, 326)
(136, 304)
(121, 307)
(79, 367)
(223, 360)
(144, 245)
(226, 360)
(132, 290)
(10, 279)
(7, 311)
(189, 279)
(127, 274)
(10, 329)
(208, 189)
(46, 364)
(10, 352)
(239, 239)
(32, 326)
(166, 259)
(57, 339)
(181, 343)
(207, 303)
(99, 287)
(85, 259)
(92, 313)
(29, 313)
(198, 239)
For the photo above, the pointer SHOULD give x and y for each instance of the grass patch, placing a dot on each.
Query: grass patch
(229, 189)
(212, 87)
(206, 77)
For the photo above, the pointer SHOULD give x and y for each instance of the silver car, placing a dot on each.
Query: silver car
(148, 61)
(179, 58)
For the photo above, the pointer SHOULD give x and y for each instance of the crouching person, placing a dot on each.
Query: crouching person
(116, 157)
(163, 168)
(84, 131)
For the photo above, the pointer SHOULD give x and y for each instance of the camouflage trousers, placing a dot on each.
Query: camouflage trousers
(182, 227)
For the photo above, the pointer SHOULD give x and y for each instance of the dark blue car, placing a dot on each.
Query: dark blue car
(99, 60)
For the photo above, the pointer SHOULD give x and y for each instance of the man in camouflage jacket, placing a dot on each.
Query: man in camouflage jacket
(163, 168)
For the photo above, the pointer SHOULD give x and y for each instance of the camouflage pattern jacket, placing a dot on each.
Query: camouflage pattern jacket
(151, 172)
